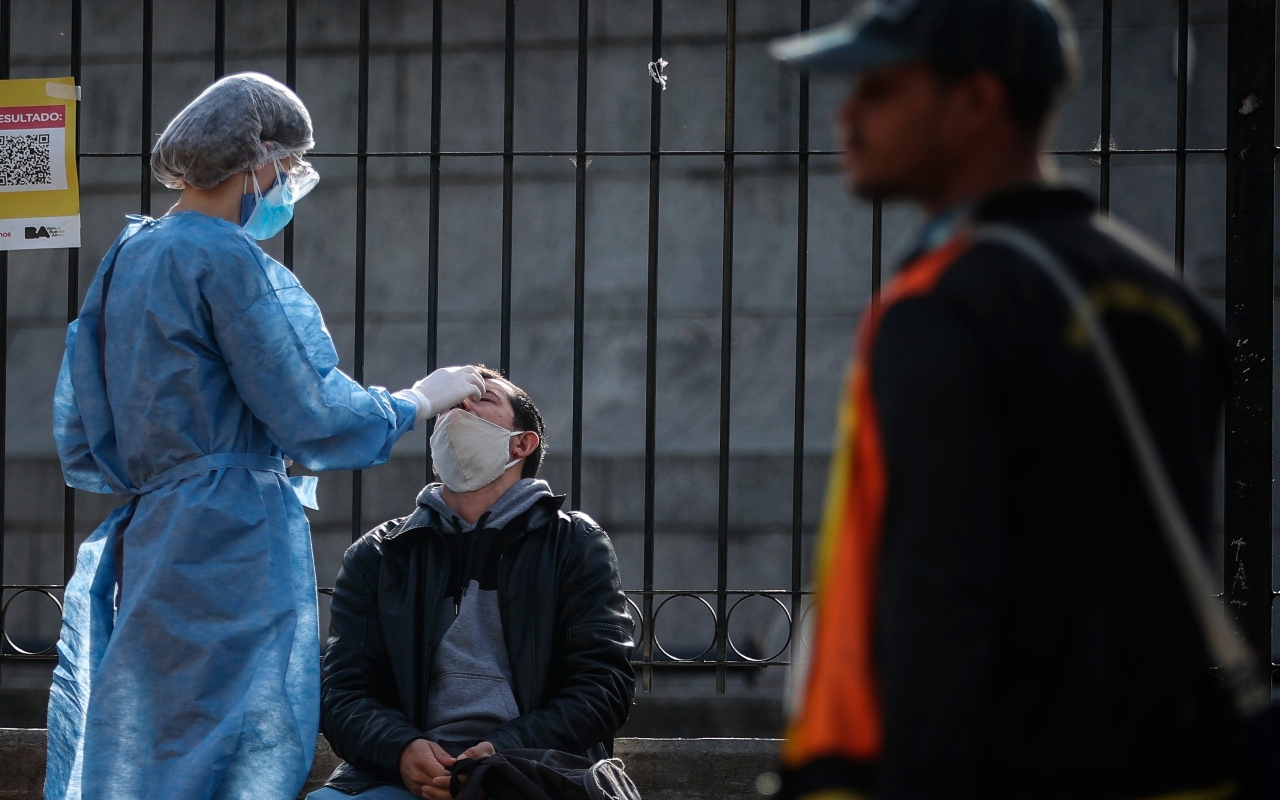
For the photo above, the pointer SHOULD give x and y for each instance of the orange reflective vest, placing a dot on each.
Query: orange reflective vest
(836, 710)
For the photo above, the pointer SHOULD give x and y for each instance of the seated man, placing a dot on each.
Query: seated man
(488, 619)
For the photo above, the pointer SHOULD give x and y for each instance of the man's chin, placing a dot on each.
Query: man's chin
(862, 191)
(870, 189)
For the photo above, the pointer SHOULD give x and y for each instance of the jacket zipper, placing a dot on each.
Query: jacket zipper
(502, 618)
(427, 628)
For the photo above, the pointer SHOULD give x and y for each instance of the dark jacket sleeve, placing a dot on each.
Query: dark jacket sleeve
(358, 715)
(593, 656)
(941, 549)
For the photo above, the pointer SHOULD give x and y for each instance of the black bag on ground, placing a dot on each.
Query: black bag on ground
(541, 775)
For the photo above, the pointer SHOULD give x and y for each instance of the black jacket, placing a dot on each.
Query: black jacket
(568, 632)
(1031, 635)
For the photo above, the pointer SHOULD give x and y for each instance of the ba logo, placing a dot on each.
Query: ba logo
(37, 233)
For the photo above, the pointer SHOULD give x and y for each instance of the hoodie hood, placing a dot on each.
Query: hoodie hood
(515, 501)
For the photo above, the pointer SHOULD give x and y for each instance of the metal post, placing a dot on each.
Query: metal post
(1180, 190)
(433, 208)
(219, 38)
(877, 249)
(291, 80)
(508, 168)
(73, 299)
(1104, 134)
(651, 351)
(148, 16)
(6, 35)
(579, 262)
(726, 349)
(1251, 53)
(802, 306)
(362, 204)
(291, 44)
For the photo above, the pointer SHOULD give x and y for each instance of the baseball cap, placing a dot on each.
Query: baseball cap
(1027, 42)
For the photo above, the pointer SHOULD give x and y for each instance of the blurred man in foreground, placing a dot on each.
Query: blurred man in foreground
(997, 614)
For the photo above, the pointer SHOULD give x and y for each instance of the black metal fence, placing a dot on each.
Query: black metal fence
(1248, 158)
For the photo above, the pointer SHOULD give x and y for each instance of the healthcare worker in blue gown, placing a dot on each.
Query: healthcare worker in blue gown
(189, 664)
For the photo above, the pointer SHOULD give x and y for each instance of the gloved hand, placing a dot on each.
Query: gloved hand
(444, 389)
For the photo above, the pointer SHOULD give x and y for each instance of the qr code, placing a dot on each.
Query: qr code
(26, 160)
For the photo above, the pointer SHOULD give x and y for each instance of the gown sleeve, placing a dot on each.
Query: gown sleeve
(78, 466)
(285, 368)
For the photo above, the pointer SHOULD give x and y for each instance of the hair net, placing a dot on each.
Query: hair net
(241, 122)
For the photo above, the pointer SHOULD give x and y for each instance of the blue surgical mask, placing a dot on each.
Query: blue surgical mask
(264, 214)
(250, 201)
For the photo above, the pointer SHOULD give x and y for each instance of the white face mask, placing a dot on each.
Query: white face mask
(469, 452)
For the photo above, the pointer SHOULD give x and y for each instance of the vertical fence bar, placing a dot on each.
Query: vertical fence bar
(73, 298)
(291, 80)
(508, 169)
(802, 321)
(1180, 189)
(1251, 58)
(433, 208)
(579, 260)
(362, 203)
(219, 38)
(726, 348)
(651, 350)
(1104, 134)
(877, 249)
(6, 36)
(291, 44)
(148, 18)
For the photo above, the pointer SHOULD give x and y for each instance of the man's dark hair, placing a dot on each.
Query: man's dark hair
(1030, 107)
(527, 418)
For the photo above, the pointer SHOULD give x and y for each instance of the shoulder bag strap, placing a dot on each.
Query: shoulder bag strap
(1238, 663)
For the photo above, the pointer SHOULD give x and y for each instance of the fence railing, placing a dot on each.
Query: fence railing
(1247, 158)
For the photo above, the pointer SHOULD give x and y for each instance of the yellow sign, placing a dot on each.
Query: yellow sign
(39, 188)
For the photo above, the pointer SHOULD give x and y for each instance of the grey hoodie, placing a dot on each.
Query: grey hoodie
(469, 689)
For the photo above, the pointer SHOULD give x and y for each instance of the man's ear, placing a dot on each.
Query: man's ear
(522, 446)
(983, 102)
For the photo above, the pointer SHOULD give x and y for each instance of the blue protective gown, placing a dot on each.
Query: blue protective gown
(205, 682)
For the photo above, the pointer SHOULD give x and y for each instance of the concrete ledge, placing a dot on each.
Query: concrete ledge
(22, 754)
(651, 717)
(663, 769)
(685, 769)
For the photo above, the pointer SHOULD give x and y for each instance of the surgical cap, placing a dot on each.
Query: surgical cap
(239, 123)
